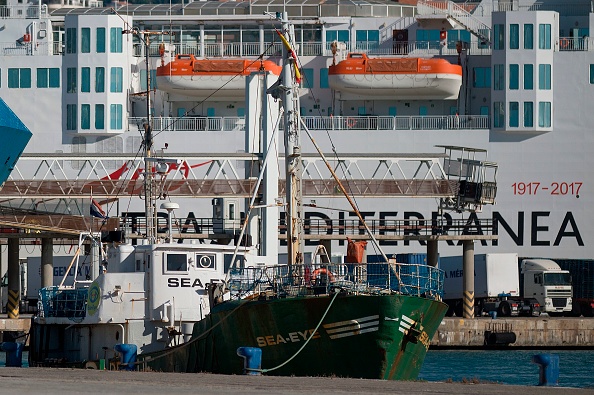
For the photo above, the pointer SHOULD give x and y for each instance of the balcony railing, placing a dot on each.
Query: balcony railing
(415, 122)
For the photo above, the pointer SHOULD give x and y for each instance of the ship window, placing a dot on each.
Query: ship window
(85, 116)
(392, 111)
(85, 79)
(544, 36)
(308, 78)
(19, 78)
(514, 76)
(367, 39)
(85, 40)
(544, 76)
(153, 76)
(528, 36)
(458, 35)
(115, 116)
(100, 40)
(99, 116)
(324, 78)
(528, 76)
(71, 117)
(498, 114)
(337, 35)
(481, 77)
(514, 36)
(115, 40)
(71, 80)
(99, 79)
(176, 263)
(528, 114)
(484, 110)
(206, 261)
(544, 114)
(48, 78)
(499, 36)
(499, 77)
(71, 40)
(514, 117)
(239, 261)
(116, 80)
(592, 73)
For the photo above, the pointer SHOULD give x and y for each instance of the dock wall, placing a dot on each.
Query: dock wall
(529, 332)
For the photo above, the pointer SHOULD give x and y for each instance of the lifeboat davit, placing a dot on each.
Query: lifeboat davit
(222, 77)
(359, 76)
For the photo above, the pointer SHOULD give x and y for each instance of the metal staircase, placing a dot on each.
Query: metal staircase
(455, 15)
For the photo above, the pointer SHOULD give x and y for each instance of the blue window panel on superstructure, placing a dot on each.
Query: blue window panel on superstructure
(514, 116)
(71, 84)
(115, 116)
(544, 76)
(99, 116)
(115, 40)
(71, 117)
(116, 80)
(42, 78)
(100, 44)
(13, 78)
(528, 36)
(71, 40)
(528, 76)
(337, 35)
(85, 40)
(457, 35)
(528, 114)
(85, 116)
(592, 73)
(85, 79)
(498, 114)
(484, 110)
(25, 78)
(308, 78)
(54, 77)
(241, 112)
(484, 33)
(514, 76)
(324, 78)
(544, 36)
(100, 79)
(427, 39)
(499, 77)
(499, 36)
(514, 36)
(544, 114)
(481, 77)
(393, 111)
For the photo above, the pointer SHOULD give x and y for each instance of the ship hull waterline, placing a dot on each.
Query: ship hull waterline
(361, 337)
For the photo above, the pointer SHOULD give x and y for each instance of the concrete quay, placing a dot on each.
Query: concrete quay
(530, 332)
(74, 381)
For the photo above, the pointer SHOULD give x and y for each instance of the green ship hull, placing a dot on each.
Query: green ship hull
(361, 336)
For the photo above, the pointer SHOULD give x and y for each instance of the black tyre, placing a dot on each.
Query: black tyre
(504, 309)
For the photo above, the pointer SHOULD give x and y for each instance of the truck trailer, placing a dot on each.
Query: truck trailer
(498, 286)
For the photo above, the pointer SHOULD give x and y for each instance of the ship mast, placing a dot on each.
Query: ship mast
(293, 164)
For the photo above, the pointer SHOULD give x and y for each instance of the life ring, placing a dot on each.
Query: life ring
(26, 37)
(351, 122)
(564, 43)
(323, 271)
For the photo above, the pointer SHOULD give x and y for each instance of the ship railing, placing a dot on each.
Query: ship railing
(21, 48)
(283, 281)
(59, 302)
(414, 122)
(575, 43)
(195, 123)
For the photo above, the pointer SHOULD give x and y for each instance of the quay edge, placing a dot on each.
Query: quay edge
(545, 332)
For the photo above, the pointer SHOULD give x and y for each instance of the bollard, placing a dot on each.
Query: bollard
(252, 359)
(129, 353)
(14, 354)
(549, 368)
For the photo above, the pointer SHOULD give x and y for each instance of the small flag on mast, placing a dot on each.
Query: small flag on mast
(97, 210)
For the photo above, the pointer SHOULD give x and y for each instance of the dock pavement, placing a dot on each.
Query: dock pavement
(76, 381)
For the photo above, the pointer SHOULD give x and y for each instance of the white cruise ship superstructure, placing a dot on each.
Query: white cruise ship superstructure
(512, 77)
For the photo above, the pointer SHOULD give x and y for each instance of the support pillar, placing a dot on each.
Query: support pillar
(14, 284)
(432, 253)
(468, 273)
(47, 262)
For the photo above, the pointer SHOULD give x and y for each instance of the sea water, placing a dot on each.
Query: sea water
(576, 367)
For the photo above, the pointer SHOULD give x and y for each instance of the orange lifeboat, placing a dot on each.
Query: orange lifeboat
(359, 76)
(217, 78)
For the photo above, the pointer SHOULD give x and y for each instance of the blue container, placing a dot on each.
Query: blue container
(412, 258)
(129, 353)
(252, 359)
(549, 368)
(14, 354)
